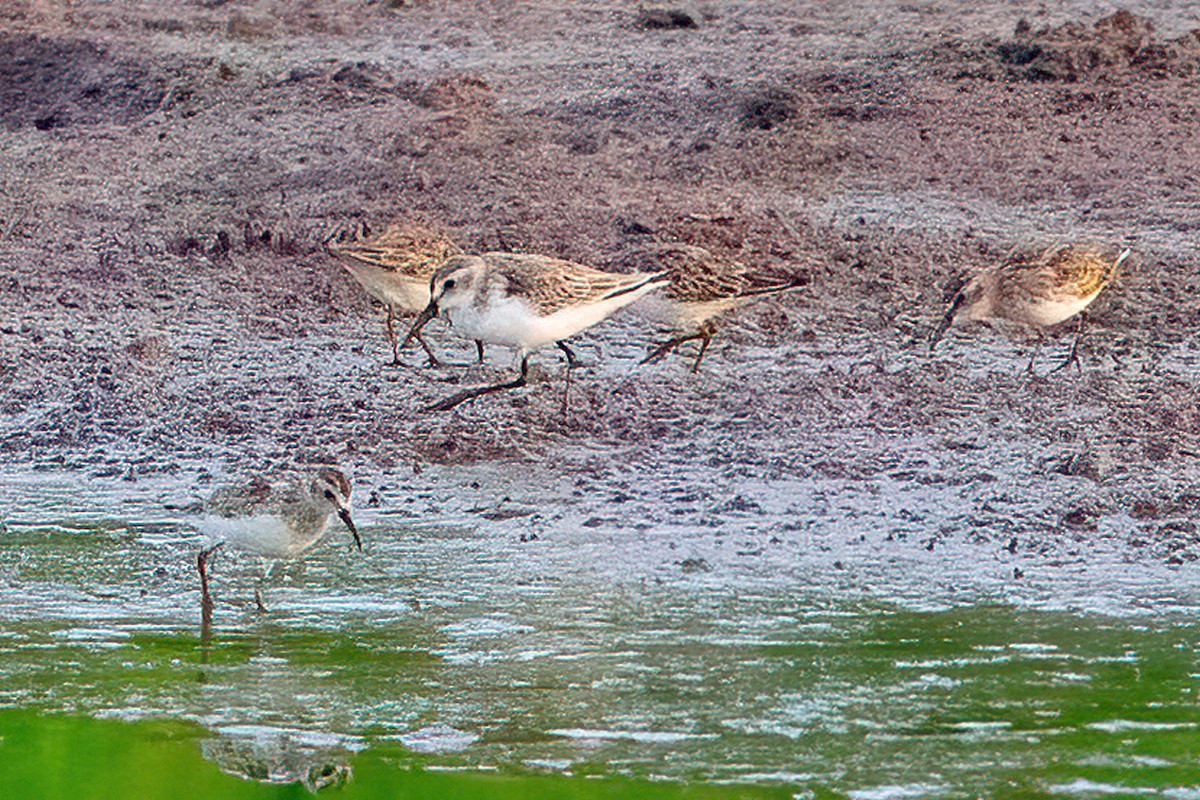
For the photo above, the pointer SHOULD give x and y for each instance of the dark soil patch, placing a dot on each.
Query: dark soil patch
(56, 83)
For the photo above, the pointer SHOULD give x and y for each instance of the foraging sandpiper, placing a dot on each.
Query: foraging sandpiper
(279, 523)
(1037, 293)
(702, 289)
(394, 267)
(525, 301)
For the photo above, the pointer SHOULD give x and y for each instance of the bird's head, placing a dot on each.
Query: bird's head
(455, 284)
(331, 491)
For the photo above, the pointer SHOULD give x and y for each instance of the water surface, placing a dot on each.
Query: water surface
(450, 658)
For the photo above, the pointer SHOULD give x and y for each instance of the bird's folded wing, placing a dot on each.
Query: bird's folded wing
(257, 496)
(552, 284)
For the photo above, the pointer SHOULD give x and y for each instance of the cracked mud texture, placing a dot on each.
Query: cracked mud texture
(167, 308)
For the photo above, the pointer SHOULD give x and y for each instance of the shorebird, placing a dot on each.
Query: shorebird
(524, 301)
(394, 267)
(1037, 293)
(703, 288)
(279, 523)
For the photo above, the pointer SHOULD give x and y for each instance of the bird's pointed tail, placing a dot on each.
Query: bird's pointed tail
(796, 282)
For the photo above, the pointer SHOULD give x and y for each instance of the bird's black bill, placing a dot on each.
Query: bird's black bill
(345, 515)
(429, 313)
(940, 331)
(946, 322)
(1116, 267)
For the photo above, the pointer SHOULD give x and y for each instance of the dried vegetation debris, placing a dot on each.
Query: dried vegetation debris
(660, 18)
(1164, 526)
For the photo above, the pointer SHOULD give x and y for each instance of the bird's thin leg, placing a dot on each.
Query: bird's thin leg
(470, 394)
(1033, 355)
(479, 349)
(572, 361)
(268, 569)
(1073, 356)
(947, 321)
(668, 346)
(202, 562)
(705, 338)
(205, 629)
(567, 390)
(433, 359)
(390, 324)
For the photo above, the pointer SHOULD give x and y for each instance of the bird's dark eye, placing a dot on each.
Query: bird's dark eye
(329, 494)
(448, 285)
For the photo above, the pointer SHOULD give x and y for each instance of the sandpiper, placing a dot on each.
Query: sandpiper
(394, 267)
(1037, 293)
(525, 301)
(703, 288)
(279, 523)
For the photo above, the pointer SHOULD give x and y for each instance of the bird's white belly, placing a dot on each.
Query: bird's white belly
(264, 535)
(512, 322)
(506, 322)
(568, 322)
(397, 290)
(684, 316)
(1052, 312)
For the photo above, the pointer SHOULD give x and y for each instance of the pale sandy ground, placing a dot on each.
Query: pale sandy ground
(168, 317)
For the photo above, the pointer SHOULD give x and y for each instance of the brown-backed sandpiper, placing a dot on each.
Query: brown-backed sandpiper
(1037, 293)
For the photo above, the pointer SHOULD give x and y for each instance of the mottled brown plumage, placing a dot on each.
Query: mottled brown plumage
(1037, 293)
(696, 274)
(394, 267)
(255, 495)
(702, 289)
(548, 285)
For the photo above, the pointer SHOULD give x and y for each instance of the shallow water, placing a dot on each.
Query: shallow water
(590, 651)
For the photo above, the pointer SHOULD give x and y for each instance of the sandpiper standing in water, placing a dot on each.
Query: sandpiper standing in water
(525, 301)
(279, 523)
(1037, 293)
(703, 288)
(394, 267)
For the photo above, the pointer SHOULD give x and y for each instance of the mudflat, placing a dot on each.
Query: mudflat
(168, 312)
